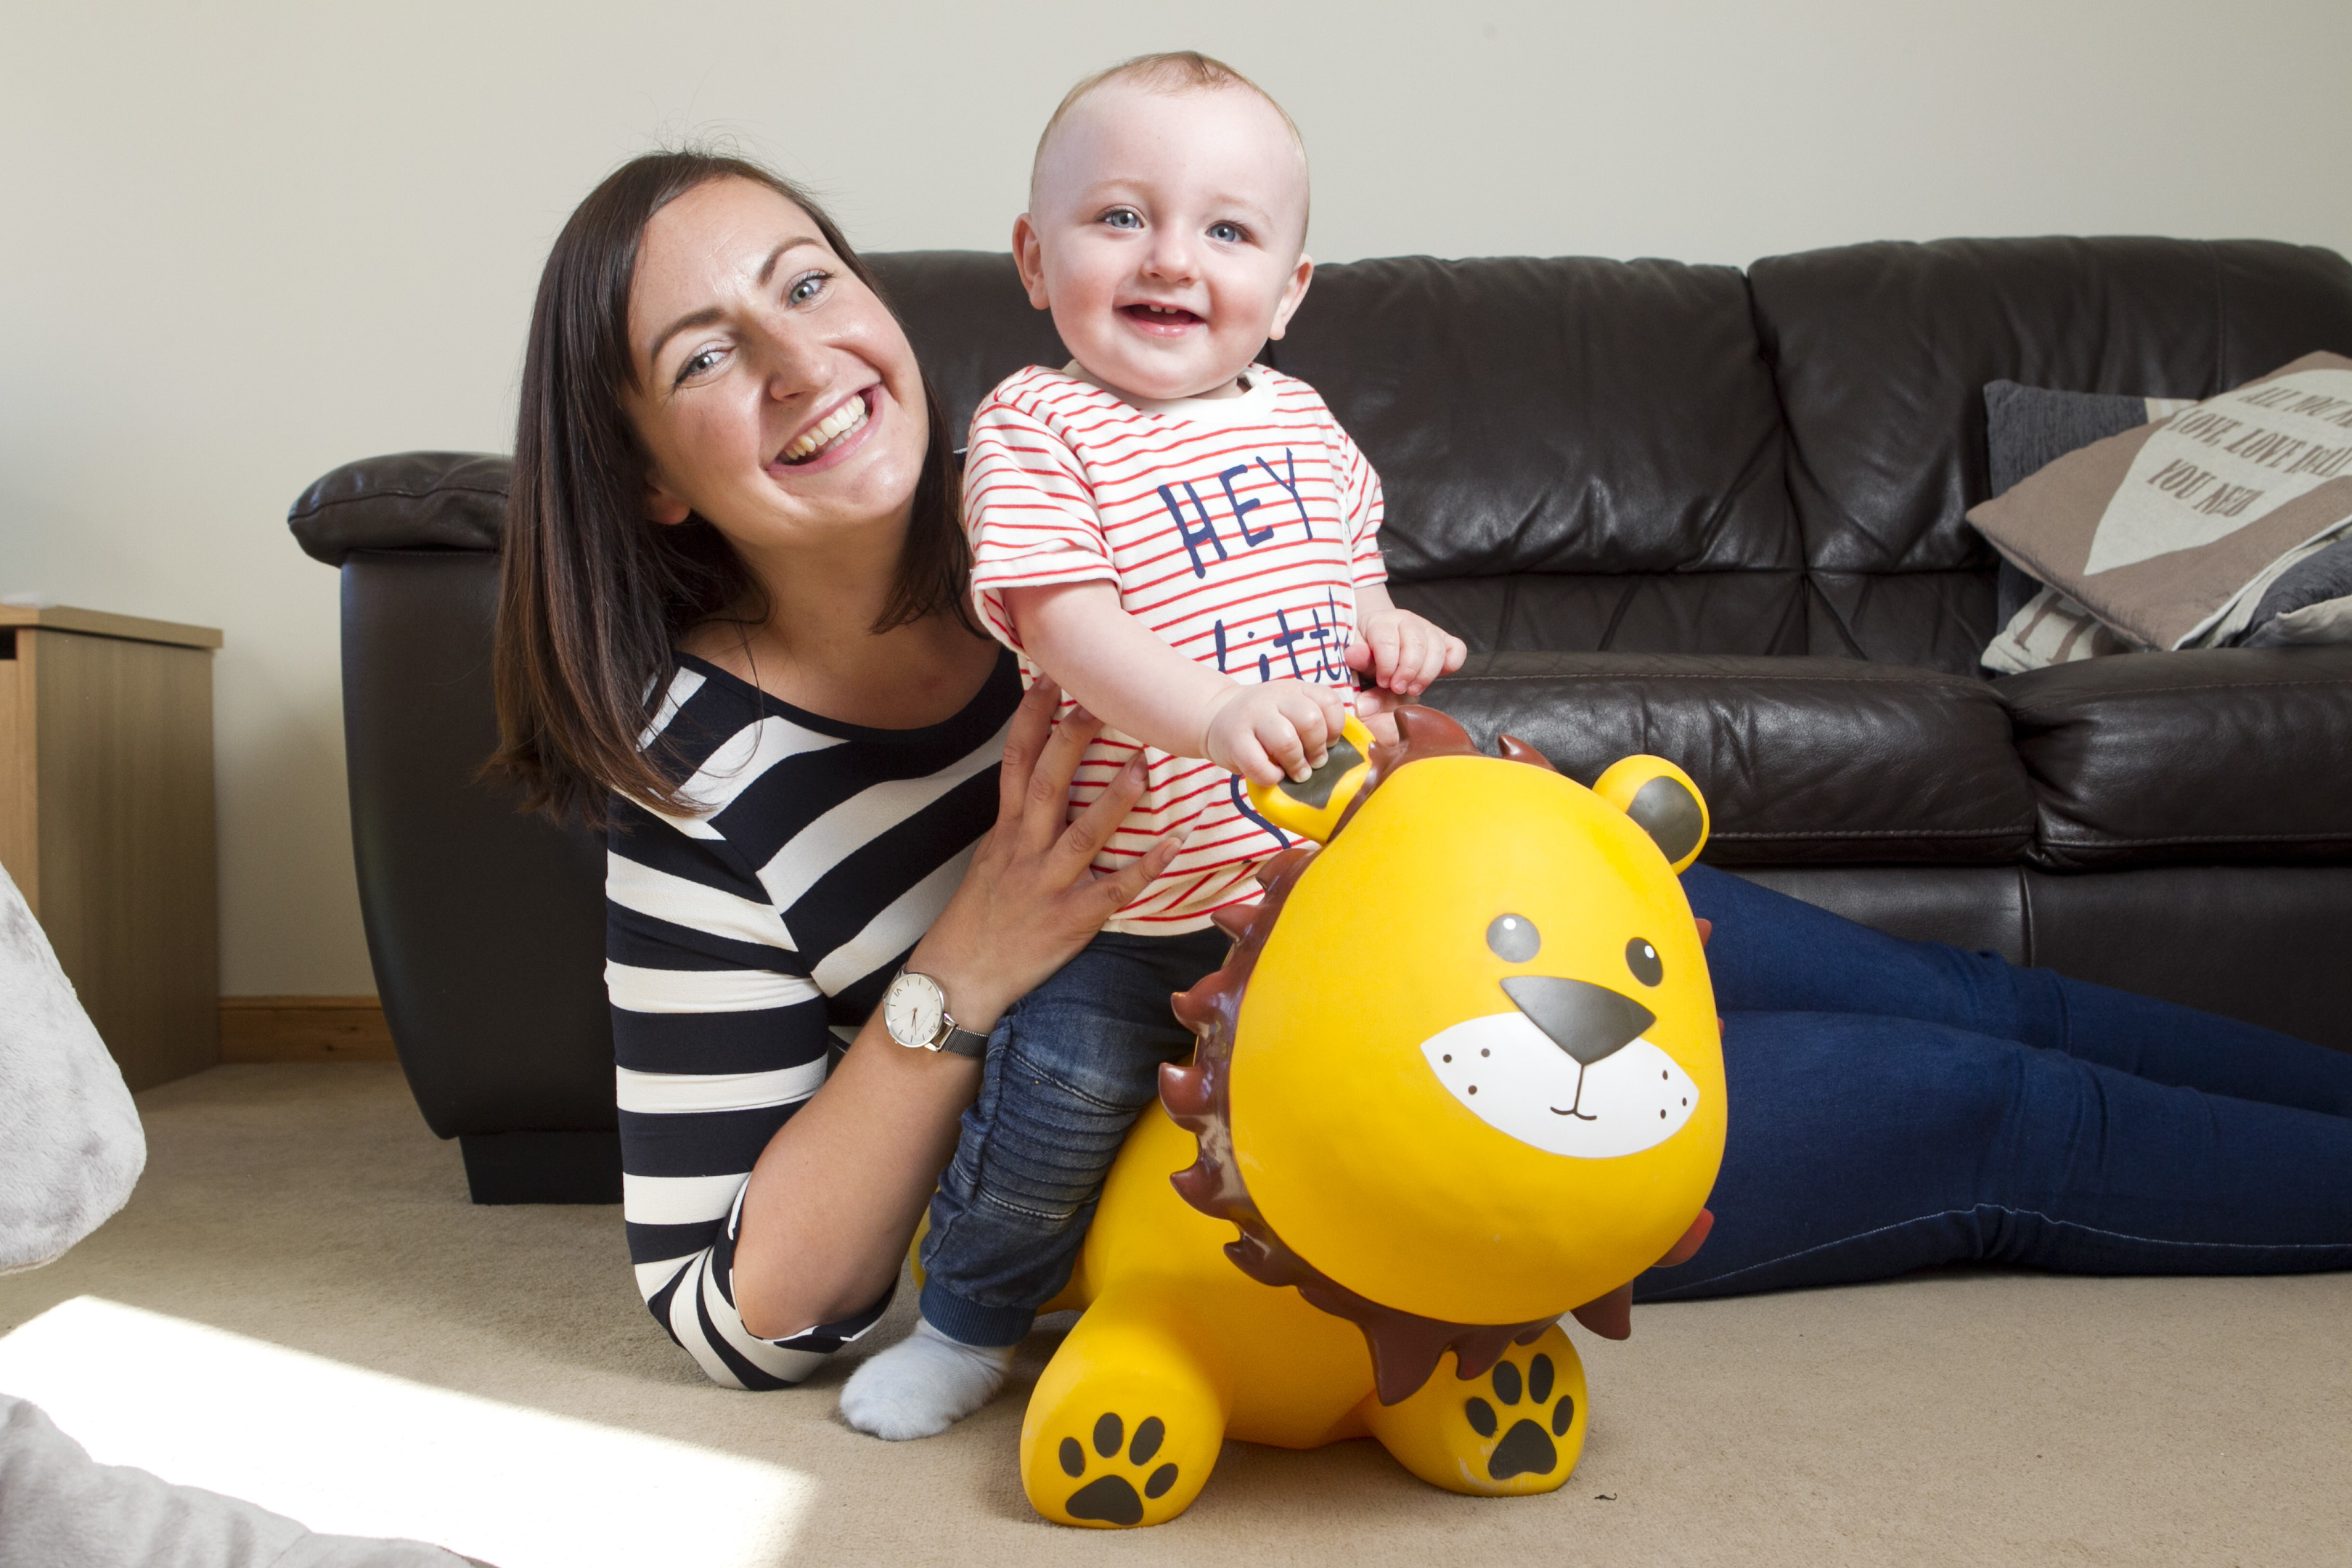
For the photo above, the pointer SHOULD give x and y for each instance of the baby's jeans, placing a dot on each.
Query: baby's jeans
(1070, 1069)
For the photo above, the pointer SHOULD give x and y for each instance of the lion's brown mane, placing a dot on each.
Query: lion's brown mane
(1405, 1348)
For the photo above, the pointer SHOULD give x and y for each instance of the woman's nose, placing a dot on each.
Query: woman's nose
(794, 363)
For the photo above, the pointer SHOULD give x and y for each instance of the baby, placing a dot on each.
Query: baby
(1187, 542)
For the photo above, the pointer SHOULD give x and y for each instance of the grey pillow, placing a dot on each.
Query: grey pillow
(2029, 427)
(2315, 579)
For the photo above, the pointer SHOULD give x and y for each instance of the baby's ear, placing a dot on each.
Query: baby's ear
(1029, 256)
(1663, 803)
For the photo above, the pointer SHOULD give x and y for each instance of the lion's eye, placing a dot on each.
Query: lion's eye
(1513, 938)
(1642, 960)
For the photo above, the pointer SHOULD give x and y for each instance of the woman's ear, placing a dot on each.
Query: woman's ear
(1293, 293)
(1029, 255)
(663, 507)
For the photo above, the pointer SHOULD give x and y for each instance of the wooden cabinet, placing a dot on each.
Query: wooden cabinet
(106, 822)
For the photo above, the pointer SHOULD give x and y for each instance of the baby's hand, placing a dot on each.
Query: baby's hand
(1268, 732)
(1403, 652)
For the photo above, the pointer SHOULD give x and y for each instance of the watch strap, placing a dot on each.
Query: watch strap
(964, 1043)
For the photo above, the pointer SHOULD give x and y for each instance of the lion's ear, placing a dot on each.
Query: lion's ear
(1663, 803)
(1312, 810)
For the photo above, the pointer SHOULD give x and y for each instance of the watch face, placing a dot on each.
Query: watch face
(911, 1009)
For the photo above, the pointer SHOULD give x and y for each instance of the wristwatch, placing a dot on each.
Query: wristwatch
(915, 1011)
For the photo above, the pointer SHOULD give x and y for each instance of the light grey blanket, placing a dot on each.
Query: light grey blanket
(70, 1145)
(70, 1149)
(60, 1509)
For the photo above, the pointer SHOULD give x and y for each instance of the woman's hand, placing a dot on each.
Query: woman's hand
(1031, 899)
(836, 1192)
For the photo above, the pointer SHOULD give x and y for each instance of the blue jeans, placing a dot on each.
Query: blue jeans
(1068, 1070)
(1899, 1104)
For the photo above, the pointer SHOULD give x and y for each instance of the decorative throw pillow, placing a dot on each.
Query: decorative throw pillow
(2163, 532)
(2027, 428)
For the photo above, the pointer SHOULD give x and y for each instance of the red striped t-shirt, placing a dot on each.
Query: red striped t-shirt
(1237, 528)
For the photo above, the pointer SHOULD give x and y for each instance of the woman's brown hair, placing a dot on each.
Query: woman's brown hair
(592, 598)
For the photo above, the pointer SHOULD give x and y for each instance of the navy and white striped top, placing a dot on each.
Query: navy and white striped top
(743, 939)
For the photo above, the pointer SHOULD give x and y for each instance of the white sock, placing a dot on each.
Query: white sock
(922, 1385)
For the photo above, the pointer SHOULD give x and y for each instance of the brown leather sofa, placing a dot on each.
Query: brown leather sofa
(1710, 514)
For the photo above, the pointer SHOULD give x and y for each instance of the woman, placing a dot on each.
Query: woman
(733, 626)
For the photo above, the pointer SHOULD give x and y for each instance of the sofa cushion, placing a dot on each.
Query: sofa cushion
(1567, 416)
(2207, 756)
(970, 321)
(409, 500)
(1881, 354)
(1686, 612)
(1802, 760)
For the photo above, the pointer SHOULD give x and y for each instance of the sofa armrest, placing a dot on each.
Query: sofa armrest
(1803, 760)
(409, 500)
(2210, 755)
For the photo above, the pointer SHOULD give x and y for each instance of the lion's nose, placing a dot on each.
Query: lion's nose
(1587, 1021)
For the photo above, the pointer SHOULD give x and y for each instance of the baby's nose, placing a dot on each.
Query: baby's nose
(1587, 1021)
(1172, 255)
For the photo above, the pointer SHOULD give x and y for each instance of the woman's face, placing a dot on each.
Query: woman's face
(776, 396)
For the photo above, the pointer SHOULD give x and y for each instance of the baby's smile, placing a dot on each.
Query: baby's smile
(1166, 235)
(1164, 320)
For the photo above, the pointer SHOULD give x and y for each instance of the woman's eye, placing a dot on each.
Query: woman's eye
(1123, 217)
(697, 364)
(1227, 233)
(805, 289)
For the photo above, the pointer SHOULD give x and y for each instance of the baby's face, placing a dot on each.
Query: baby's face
(1165, 233)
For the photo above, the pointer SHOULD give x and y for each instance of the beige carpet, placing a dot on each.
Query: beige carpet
(301, 1304)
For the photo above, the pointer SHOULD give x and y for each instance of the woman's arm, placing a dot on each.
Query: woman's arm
(833, 1199)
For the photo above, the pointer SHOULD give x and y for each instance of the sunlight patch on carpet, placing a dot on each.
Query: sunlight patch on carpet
(354, 1452)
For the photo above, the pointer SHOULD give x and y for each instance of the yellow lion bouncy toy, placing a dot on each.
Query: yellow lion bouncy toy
(1461, 1074)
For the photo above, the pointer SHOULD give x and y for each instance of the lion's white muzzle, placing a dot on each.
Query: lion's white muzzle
(1516, 1080)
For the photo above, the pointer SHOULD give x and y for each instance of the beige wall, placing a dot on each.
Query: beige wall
(244, 243)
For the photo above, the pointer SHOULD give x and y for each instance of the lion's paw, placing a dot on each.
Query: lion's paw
(1117, 1497)
(1527, 1447)
(1518, 1429)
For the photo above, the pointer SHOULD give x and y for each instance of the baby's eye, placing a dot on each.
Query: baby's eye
(1227, 233)
(1644, 961)
(806, 289)
(1123, 217)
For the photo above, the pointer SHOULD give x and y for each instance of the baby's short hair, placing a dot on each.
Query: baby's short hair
(1176, 70)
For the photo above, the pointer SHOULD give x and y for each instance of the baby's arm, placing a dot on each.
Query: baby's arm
(1125, 675)
(1402, 651)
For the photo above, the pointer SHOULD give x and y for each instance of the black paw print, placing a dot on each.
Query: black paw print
(1525, 1449)
(1111, 1499)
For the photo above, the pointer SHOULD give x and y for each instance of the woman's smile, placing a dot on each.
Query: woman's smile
(829, 441)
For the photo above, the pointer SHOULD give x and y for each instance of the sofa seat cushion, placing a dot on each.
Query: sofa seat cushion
(1803, 760)
(2208, 755)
